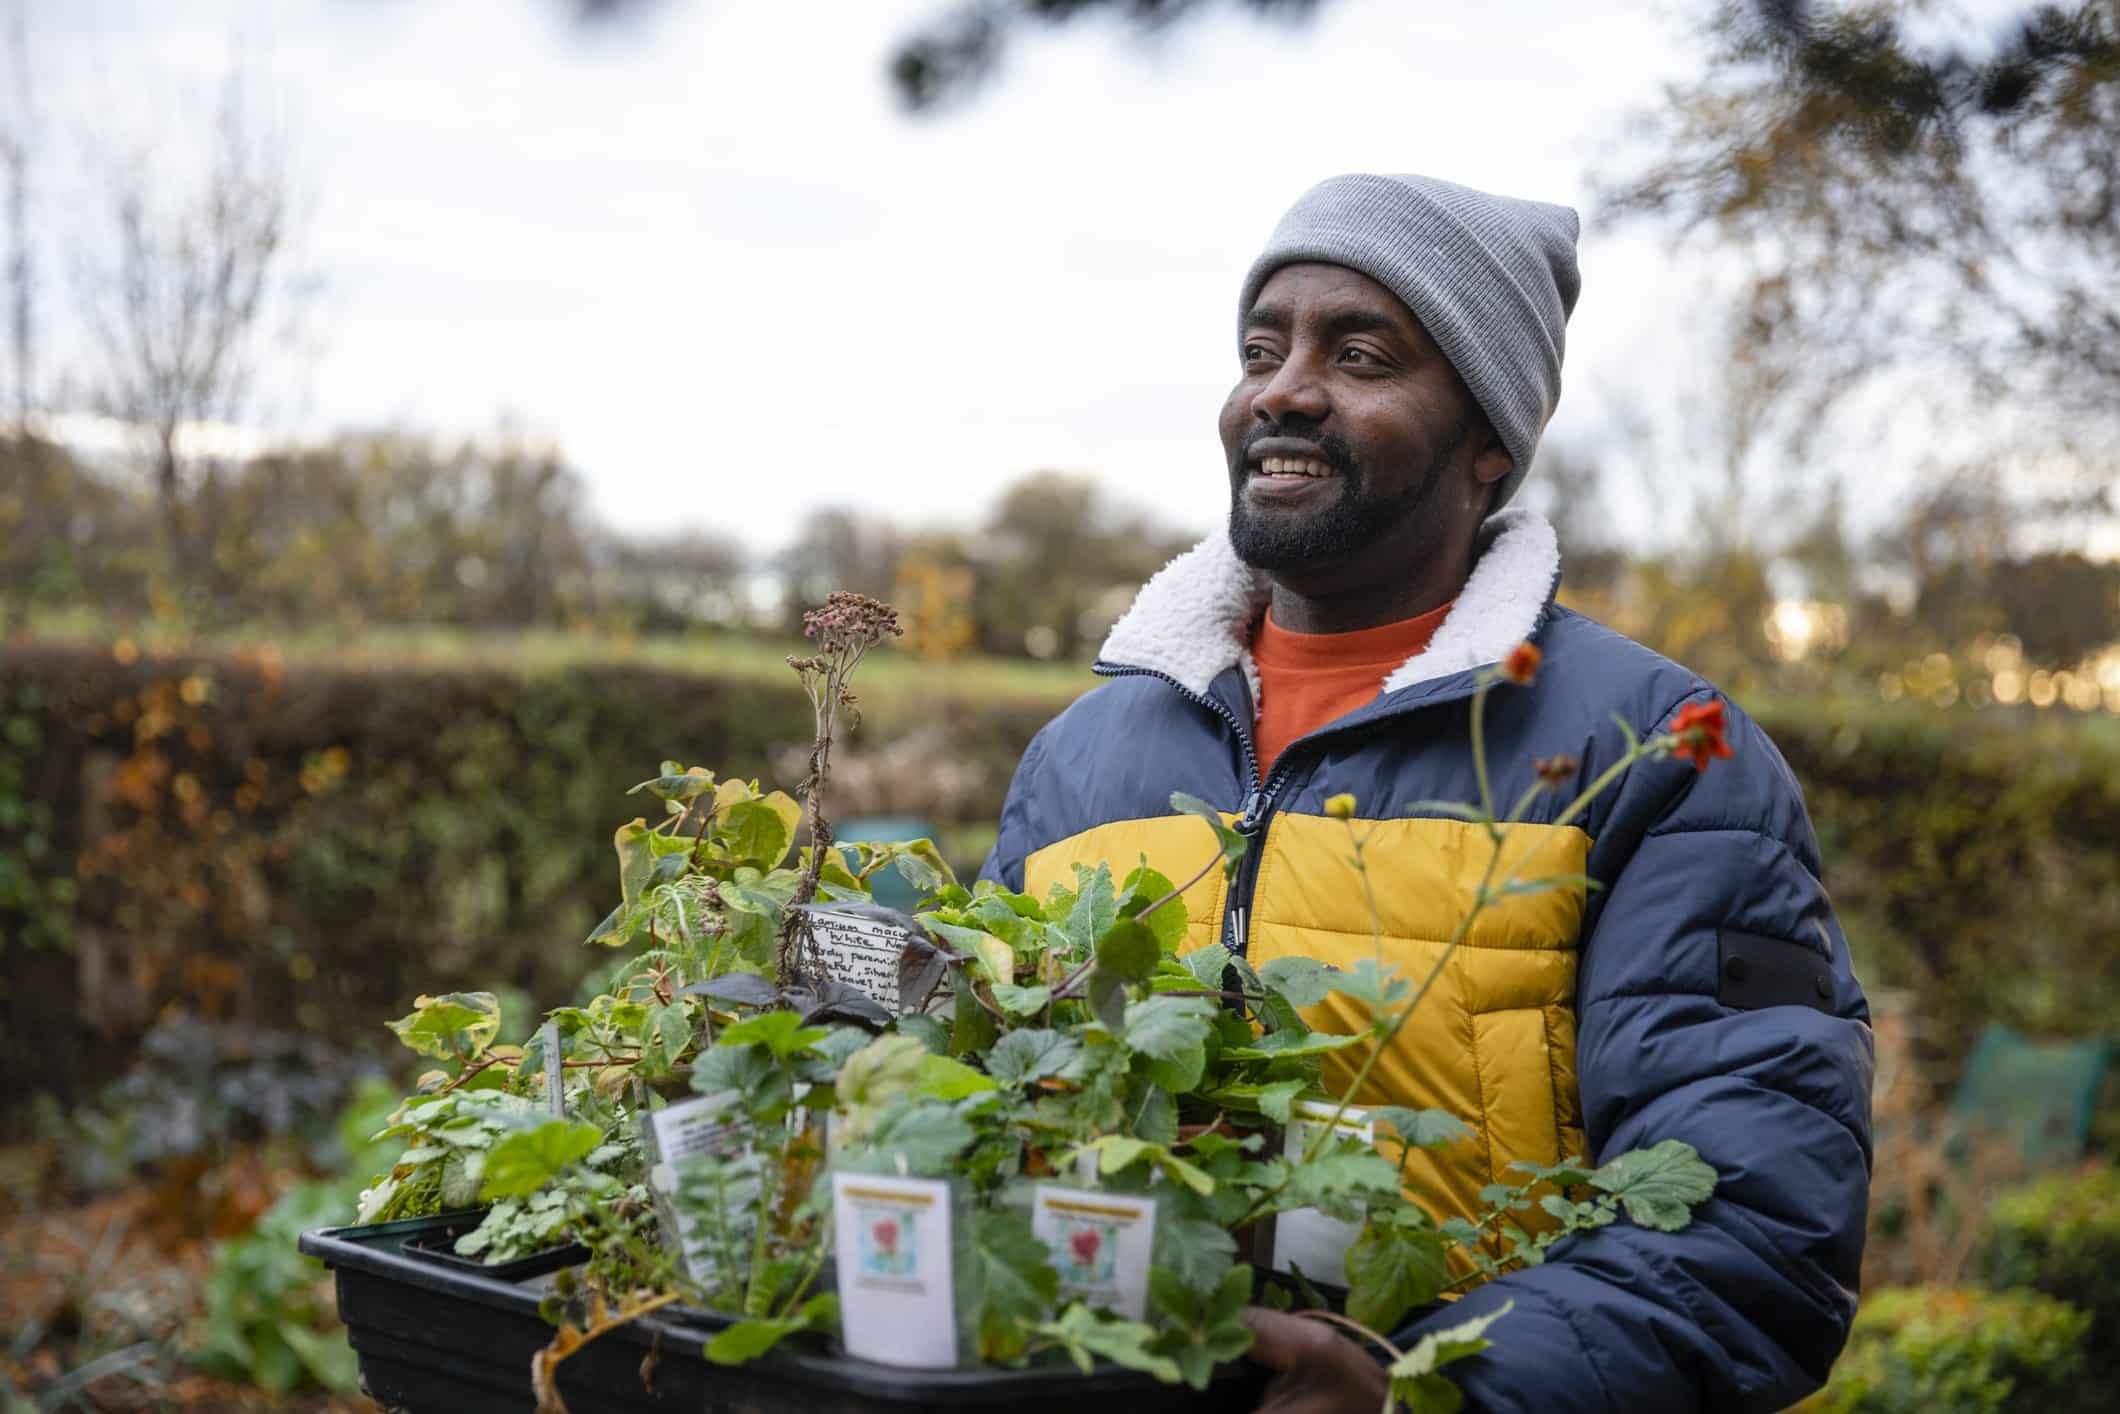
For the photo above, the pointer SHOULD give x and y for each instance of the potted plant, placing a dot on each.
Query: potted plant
(1003, 1149)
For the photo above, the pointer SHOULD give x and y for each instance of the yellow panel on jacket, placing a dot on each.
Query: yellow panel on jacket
(1493, 1043)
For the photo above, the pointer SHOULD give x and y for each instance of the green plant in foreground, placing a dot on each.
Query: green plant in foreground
(1031, 1038)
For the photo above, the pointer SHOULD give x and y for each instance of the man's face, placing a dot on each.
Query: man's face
(1349, 435)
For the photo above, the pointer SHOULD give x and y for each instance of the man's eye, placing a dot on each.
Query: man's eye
(1352, 354)
(1254, 352)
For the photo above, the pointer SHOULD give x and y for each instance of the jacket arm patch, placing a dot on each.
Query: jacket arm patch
(1758, 971)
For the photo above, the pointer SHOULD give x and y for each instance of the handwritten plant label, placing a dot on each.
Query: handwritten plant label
(1305, 1238)
(679, 1132)
(1100, 1242)
(861, 952)
(897, 1288)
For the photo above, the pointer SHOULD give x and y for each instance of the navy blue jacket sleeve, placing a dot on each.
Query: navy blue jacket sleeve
(1746, 1308)
(1012, 844)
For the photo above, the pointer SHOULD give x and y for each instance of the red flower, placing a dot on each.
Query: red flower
(1555, 770)
(1521, 666)
(1697, 733)
(1084, 1242)
(885, 1233)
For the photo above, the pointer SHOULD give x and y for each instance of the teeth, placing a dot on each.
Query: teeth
(1292, 466)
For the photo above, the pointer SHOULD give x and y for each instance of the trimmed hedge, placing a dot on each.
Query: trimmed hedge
(2061, 1236)
(312, 845)
(1943, 1350)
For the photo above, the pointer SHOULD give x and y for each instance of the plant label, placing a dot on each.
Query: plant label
(897, 1287)
(555, 1072)
(1100, 1242)
(1305, 1239)
(861, 952)
(676, 1133)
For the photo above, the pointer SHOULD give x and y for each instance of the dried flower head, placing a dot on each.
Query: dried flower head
(850, 620)
(1698, 733)
(1555, 770)
(1521, 666)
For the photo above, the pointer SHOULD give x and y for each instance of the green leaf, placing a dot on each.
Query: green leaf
(1228, 840)
(1107, 998)
(1031, 1054)
(1391, 1269)
(453, 1026)
(1017, 1282)
(747, 1340)
(1128, 950)
(1277, 1101)
(527, 1160)
(780, 1032)
(1365, 982)
(673, 1024)
(1423, 1129)
(1207, 964)
(1199, 1251)
(881, 1071)
(1658, 1186)
(1022, 1001)
(1202, 1327)
(1300, 979)
(753, 832)
(1167, 1027)
(1415, 1382)
(1146, 886)
(1087, 1337)
(1096, 906)
(1281, 1045)
(944, 1079)
(636, 858)
(922, 1138)
(920, 864)
(678, 786)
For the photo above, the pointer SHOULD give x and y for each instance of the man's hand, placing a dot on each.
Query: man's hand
(1319, 1371)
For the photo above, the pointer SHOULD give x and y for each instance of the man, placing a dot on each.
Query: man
(1401, 342)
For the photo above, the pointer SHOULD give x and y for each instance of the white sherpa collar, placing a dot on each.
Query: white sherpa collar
(1195, 619)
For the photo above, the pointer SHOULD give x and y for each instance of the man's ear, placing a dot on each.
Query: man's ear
(1492, 461)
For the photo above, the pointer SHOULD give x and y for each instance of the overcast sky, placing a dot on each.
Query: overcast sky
(707, 254)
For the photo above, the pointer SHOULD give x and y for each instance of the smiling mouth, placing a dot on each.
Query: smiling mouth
(1292, 468)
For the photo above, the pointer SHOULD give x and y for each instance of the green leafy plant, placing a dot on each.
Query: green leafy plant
(1026, 1038)
(2061, 1236)
(1946, 1350)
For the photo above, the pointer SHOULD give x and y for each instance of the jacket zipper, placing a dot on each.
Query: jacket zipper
(1252, 816)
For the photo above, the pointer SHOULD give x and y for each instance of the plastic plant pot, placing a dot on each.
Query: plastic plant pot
(446, 1337)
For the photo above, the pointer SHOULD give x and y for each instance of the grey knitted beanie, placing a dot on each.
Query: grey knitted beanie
(1491, 278)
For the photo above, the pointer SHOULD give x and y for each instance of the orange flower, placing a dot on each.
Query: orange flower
(1697, 733)
(1555, 770)
(1521, 666)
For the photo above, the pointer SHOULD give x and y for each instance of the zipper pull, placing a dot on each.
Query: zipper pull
(1254, 811)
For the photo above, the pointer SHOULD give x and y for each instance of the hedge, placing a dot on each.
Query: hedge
(2061, 1236)
(1941, 1350)
(308, 846)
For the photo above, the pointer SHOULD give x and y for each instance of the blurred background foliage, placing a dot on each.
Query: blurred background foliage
(290, 733)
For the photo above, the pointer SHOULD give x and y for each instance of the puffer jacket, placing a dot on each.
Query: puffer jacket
(1702, 993)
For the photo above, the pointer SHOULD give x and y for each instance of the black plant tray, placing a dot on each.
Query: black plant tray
(436, 1338)
(436, 1242)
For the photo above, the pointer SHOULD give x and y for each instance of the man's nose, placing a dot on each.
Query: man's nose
(1297, 387)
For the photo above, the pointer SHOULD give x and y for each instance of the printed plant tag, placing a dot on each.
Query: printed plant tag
(897, 1288)
(1304, 1238)
(861, 952)
(676, 1133)
(1100, 1242)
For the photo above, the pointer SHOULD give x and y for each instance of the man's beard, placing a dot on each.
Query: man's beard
(1351, 523)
